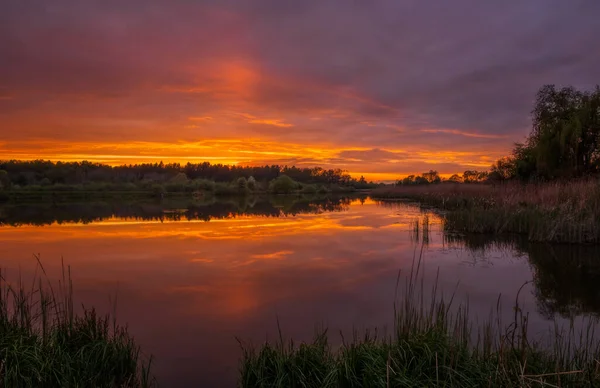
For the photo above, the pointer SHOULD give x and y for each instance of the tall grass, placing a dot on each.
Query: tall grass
(420, 229)
(565, 212)
(433, 344)
(44, 343)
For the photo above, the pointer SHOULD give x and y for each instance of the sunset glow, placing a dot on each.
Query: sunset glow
(247, 84)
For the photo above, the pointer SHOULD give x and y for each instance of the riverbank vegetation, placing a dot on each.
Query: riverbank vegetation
(37, 179)
(564, 141)
(548, 189)
(45, 343)
(563, 212)
(432, 344)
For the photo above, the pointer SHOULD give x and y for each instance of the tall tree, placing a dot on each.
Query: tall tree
(564, 139)
(566, 130)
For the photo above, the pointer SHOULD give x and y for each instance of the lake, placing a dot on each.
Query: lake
(189, 277)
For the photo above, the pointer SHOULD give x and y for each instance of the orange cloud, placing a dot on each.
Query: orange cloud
(274, 122)
(465, 133)
(272, 256)
(203, 118)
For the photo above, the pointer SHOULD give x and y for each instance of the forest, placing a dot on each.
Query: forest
(40, 176)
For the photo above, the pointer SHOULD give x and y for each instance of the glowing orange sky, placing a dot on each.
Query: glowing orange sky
(372, 89)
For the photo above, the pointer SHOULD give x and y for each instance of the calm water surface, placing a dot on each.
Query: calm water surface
(191, 277)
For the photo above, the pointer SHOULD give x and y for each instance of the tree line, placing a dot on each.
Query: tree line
(432, 176)
(17, 174)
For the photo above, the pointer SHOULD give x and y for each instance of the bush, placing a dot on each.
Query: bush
(224, 188)
(341, 189)
(309, 189)
(203, 185)
(33, 188)
(129, 187)
(283, 184)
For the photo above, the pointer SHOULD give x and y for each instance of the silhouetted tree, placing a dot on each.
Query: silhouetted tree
(564, 140)
(455, 178)
(432, 176)
(470, 176)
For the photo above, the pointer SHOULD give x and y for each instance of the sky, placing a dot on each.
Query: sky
(382, 88)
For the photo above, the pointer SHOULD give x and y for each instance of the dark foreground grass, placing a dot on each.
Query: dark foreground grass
(563, 212)
(43, 343)
(432, 345)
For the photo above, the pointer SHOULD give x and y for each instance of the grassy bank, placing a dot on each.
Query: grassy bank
(43, 343)
(432, 344)
(565, 212)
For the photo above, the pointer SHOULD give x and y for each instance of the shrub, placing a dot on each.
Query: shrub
(225, 188)
(309, 189)
(175, 187)
(283, 184)
(203, 185)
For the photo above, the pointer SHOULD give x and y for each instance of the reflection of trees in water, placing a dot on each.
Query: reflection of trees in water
(170, 210)
(566, 277)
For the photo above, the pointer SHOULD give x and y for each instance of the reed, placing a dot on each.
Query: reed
(44, 343)
(564, 212)
(434, 343)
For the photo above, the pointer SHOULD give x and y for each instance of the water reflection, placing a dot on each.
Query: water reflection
(168, 210)
(188, 287)
(566, 276)
(567, 279)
